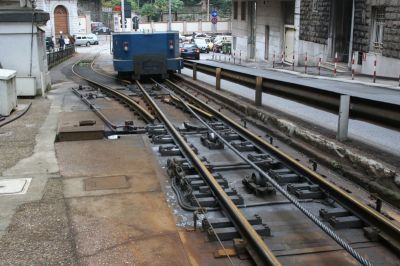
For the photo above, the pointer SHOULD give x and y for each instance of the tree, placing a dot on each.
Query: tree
(113, 3)
(161, 6)
(191, 2)
(148, 10)
(176, 6)
(224, 7)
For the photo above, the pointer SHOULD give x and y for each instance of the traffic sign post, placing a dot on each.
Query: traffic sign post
(214, 20)
(214, 13)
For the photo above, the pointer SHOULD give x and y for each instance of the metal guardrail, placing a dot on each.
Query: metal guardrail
(372, 111)
(56, 57)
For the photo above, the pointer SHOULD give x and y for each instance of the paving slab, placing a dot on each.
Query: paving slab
(139, 224)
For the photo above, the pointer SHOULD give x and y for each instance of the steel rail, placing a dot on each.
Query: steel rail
(372, 111)
(388, 230)
(261, 254)
(130, 102)
(96, 111)
(306, 212)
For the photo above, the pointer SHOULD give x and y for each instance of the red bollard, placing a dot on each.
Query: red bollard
(352, 67)
(334, 70)
(305, 64)
(319, 66)
(399, 80)
(374, 78)
(282, 55)
(293, 62)
(273, 61)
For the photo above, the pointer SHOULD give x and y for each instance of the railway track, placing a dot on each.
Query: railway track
(241, 185)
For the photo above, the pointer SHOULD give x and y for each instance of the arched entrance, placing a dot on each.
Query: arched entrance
(61, 20)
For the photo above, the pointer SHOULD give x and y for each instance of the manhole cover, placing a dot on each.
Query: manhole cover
(108, 182)
(14, 186)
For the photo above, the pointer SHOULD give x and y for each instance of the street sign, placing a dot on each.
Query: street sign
(214, 20)
(214, 13)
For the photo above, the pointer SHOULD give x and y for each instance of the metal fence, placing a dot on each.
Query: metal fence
(56, 57)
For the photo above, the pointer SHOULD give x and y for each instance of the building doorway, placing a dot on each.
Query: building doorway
(340, 29)
(289, 30)
(289, 44)
(266, 51)
(61, 20)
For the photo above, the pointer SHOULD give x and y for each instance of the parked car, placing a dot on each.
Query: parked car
(93, 39)
(201, 35)
(82, 39)
(49, 44)
(102, 30)
(189, 50)
(222, 44)
(94, 25)
(202, 44)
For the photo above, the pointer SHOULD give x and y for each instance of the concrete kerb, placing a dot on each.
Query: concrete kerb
(40, 166)
(302, 75)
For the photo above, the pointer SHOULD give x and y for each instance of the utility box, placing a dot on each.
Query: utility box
(26, 86)
(8, 91)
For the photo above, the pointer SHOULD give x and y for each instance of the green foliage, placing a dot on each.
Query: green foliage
(191, 2)
(176, 5)
(148, 10)
(224, 7)
(161, 5)
(113, 3)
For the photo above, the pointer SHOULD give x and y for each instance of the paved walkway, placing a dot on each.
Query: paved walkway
(385, 91)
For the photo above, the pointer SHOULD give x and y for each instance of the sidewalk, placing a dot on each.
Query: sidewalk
(312, 71)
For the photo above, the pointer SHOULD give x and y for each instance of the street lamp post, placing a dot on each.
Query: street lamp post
(169, 15)
(208, 10)
(123, 15)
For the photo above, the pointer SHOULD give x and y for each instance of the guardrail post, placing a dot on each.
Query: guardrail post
(194, 71)
(218, 78)
(258, 98)
(343, 120)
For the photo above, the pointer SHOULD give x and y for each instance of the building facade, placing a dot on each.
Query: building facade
(330, 30)
(265, 29)
(70, 16)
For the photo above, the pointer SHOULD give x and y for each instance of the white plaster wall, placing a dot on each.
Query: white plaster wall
(192, 27)
(385, 66)
(314, 52)
(18, 55)
(268, 13)
(177, 26)
(73, 19)
(206, 26)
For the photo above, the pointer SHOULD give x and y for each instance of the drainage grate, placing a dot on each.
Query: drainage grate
(14, 186)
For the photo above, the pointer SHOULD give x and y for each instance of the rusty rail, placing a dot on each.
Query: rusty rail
(149, 118)
(389, 232)
(262, 254)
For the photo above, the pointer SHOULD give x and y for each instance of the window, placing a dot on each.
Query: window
(235, 10)
(378, 24)
(314, 6)
(243, 10)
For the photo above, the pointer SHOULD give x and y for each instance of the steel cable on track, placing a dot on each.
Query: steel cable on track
(312, 217)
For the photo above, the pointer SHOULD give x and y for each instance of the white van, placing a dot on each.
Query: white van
(83, 39)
